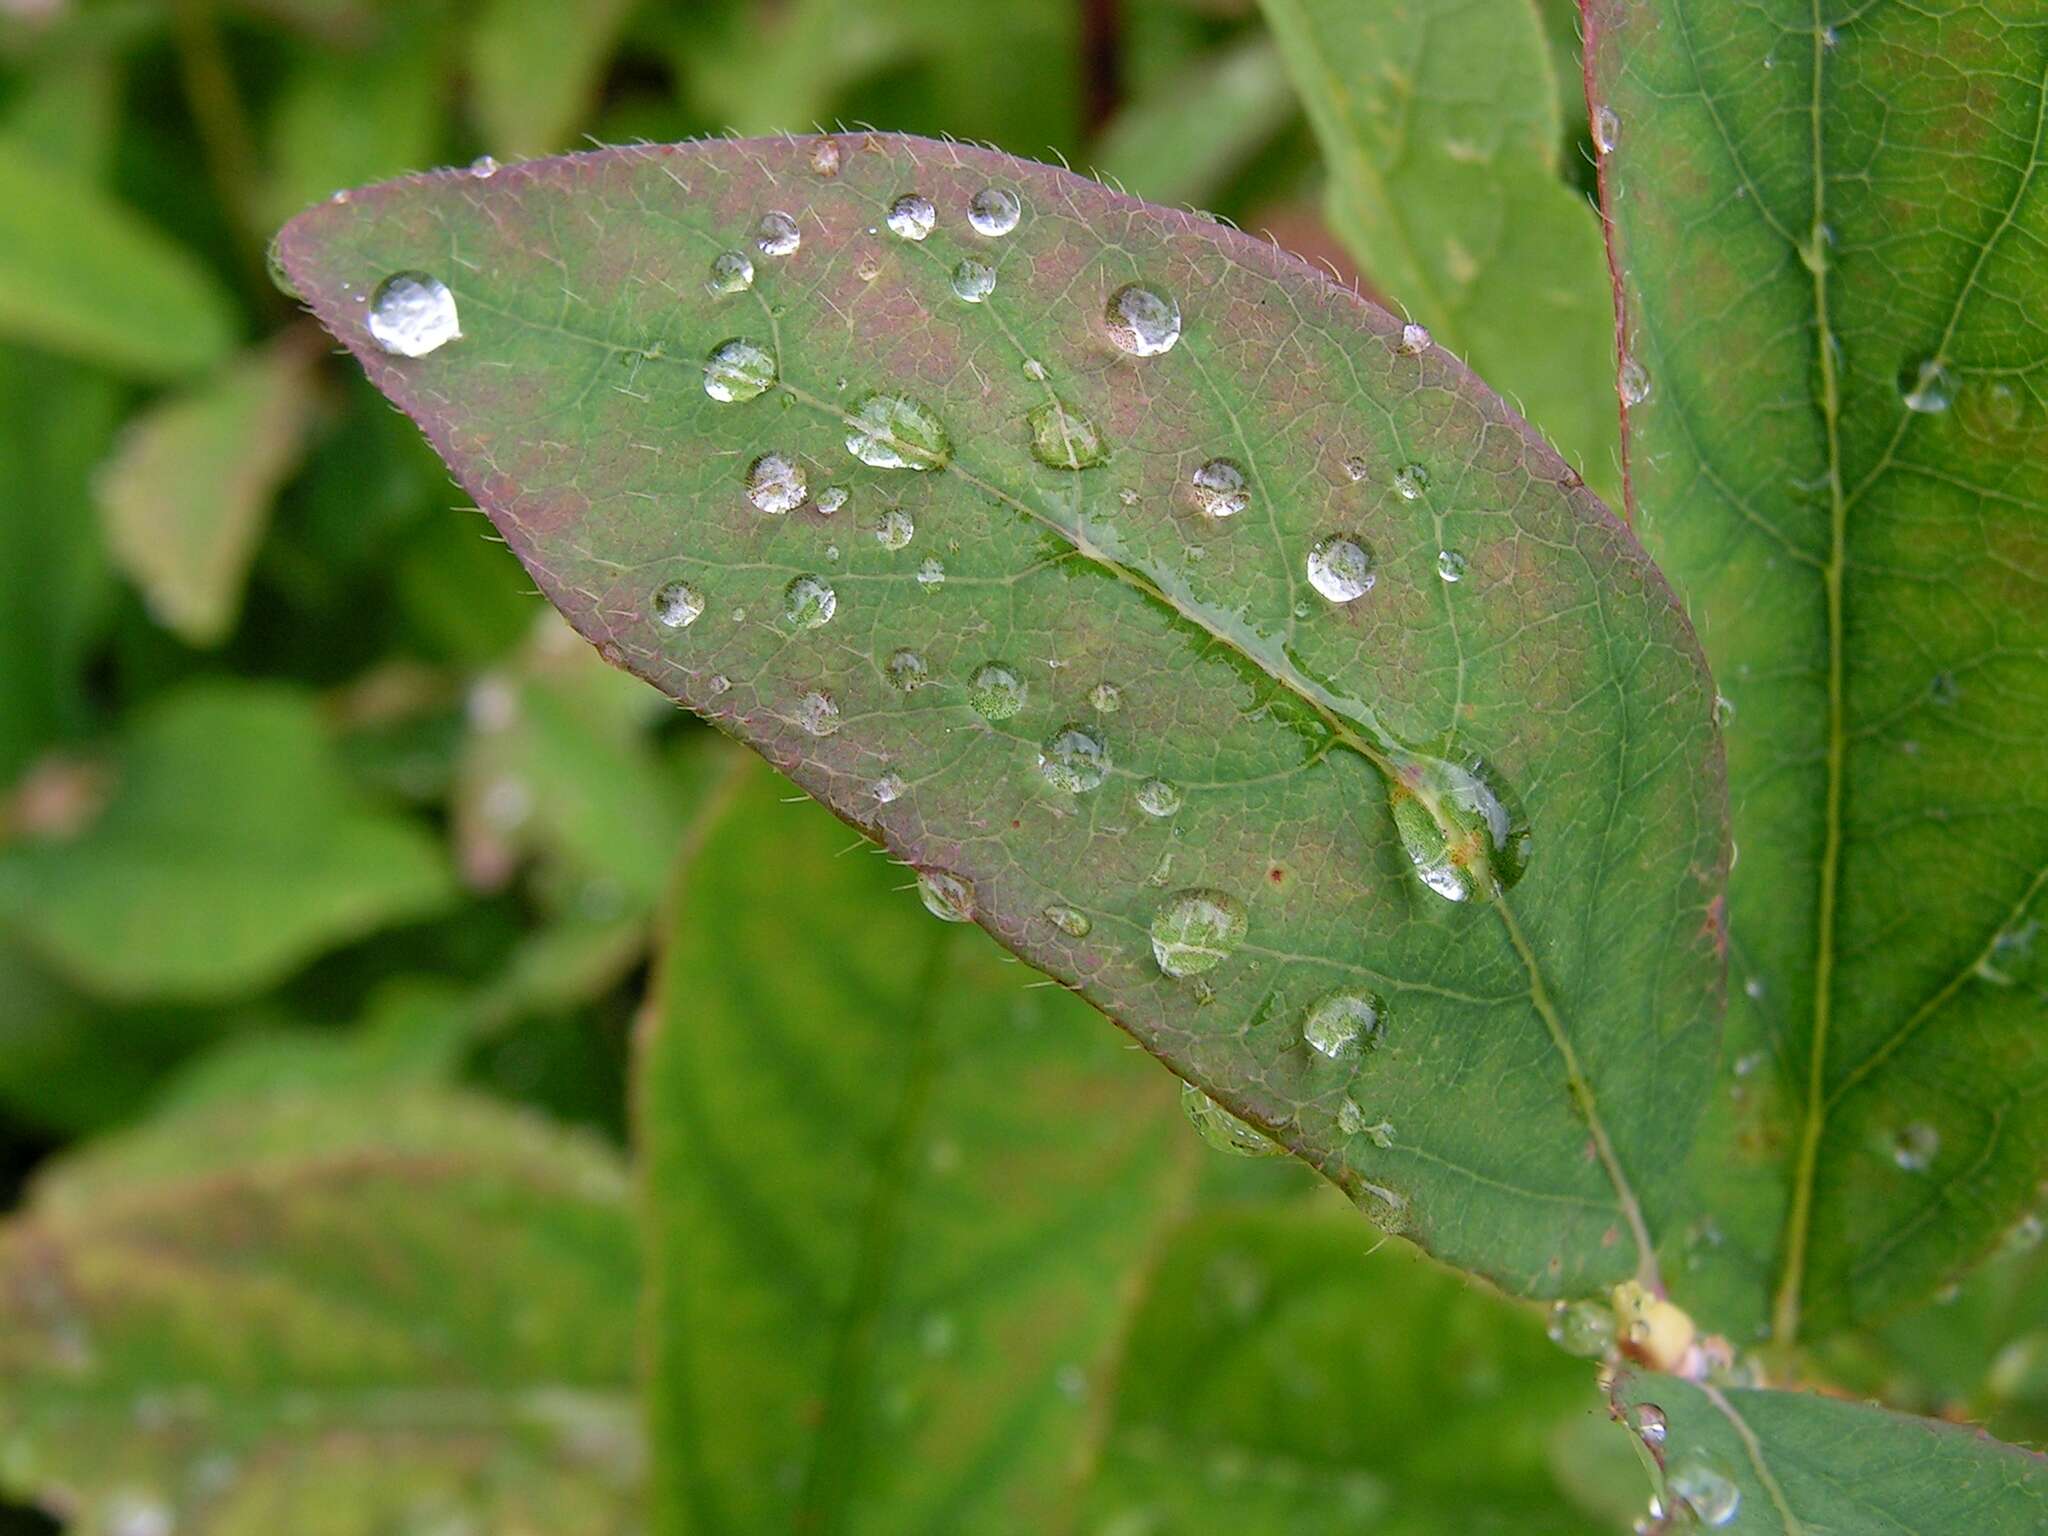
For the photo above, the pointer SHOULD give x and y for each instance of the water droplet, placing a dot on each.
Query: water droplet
(1340, 1022)
(973, 280)
(818, 713)
(731, 272)
(994, 211)
(1062, 438)
(1106, 698)
(677, 604)
(1944, 689)
(717, 683)
(1710, 1492)
(1340, 567)
(897, 432)
(412, 313)
(1606, 130)
(1410, 481)
(1926, 387)
(931, 573)
(1356, 467)
(1159, 797)
(1450, 565)
(483, 167)
(1141, 322)
(1223, 1130)
(1915, 1146)
(738, 370)
(777, 234)
(1649, 1423)
(994, 691)
(1034, 369)
(888, 788)
(907, 670)
(1220, 488)
(911, 216)
(1071, 921)
(1634, 381)
(1352, 1122)
(1127, 495)
(1195, 931)
(1075, 760)
(946, 896)
(896, 529)
(1459, 826)
(1414, 340)
(809, 603)
(1582, 1328)
(777, 484)
(831, 499)
(868, 268)
(825, 158)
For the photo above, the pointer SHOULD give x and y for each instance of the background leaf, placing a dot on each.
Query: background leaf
(534, 67)
(1830, 246)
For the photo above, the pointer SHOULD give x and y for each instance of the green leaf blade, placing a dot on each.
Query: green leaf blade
(575, 408)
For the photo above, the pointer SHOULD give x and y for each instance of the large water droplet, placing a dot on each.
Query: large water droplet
(1071, 921)
(818, 713)
(1075, 760)
(777, 484)
(994, 211)
(1926, 387)
(897, 432)
(973, 280)
(1340, 1022)
(907, 670)
(1634, 381)
(1410, 481)
(1159, 797)
(946, 896)
(1450, 565)
(777, 235)
(1223, 1130)
(731, 272)
(1710, 1492)
(1582, 1328)
(896, 529)
(994, 691)
(1220, 488)
(1340, 567)
(1461, 829)
(1915, 1146)
(1606, 130)
(809, 603)
(1195, 931)
(677, 604)
(912, 216)
(1142, 322)
(1063, 438)
(738, 370)
(412, 313)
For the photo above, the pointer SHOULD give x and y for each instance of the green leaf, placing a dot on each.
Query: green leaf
(1305, 751)
(233, 850)
(1830, 248)
(402, 1311)
(1183, 139)
(82, 274)
(186, 497)
(535, 66)
(1750, 1461)
(889, 1322)
(1440, 128)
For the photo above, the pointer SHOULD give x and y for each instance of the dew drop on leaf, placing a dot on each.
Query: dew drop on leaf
(1142, 322)
(1450, 565)
(1926, 387)
(1341, 1022)
(1071, 921)
(1582, 1328)
(738, 370)
(1634, 382)
(1606, 130)
(995, 692)
(931, 573)
(911, 216)
(825, 159)
(896, 529)
(1223, 1130)
(1710, 1493)
(994, 211)
(1075, 760)
(1410, 481)
(731, 272)
(1105, 698)
(1034, 369)
(777, 234)
(777, 484)
(888, 789)
(1062, 438)
(973, 280)
(831, 499)
(1340, 567)
(1195, 930)
(946, 896)
(818, 713)
(483, 167)
(1649, 1423)
(1159, 797)
(718, 683)
(1220, 488)
(1915, 1146)
(412, 314)
(887, 431)
(1459, 827)
(907, 670)
(1414, 340)
(809, 603)
(1357, 468)
(677, 604)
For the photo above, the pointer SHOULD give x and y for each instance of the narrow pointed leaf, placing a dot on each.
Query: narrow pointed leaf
(1064, 637)
(1830, 243)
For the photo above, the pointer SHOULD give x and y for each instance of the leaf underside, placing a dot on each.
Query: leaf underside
(574, 408)
(1829, 235)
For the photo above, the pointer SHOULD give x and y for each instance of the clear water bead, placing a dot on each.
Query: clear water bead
(1034, 370)
(738, 370)
(994, 211)
(809, 602)
(1606, 130)
(731, 272)
(1223, 1130)
(825, 158)
(1340, 1022)
(777, 234)
(1063, 438)
(777, 484)
(1450, 565)
(1105, 698)
(890, 431)
(908, 671)
(888, 789)
(946, 896)
(1582, 1328)
(1915, 1146)
(1710, 1492)
(1071, 921)
(483, 167)
(1410, 481)
(1649, 1423)
(412, 314)
(1634, 380)
(818, 713)
(1340, 567)
(1357, 467)
(1159, 797)
(973, 280)
(831, 499)
(994, 692)
(931, 573)
(677, 604)
(1220, 488)
(912, 216)
(1195, 931)
(1075, 760)
(1926, 387)
(1414, 340)
(1142, 322)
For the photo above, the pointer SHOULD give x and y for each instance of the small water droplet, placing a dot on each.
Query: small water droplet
(1106, 698)
(1606, 130)
(718, 683)
(1127, 495)
(1142, 322)
(1075, 760)
(831, 499)
(1220, 488)
(1649, 1423)
(1944, 689)
(995, 692)
(809, 603)
(1582, 1328)
(483, 167)
(1343, 1021)
(412, 314)
(946, 896)
(1340, 567)
(907, 670)
(731, 272)
(931, 573)
(1926, 387)
(1351, 1120)
(1915, 1146)
(1357, 468)
(888, 431)
(973, 280)
(868, 268)
(738, 370)
(825, 158)
(1410, 481)
(994, 211)
(777, 234)
(896, 529)
(1062, 438)
(1159, 797)
(1450, 565)
(911, 216)
(1710, 1492)
(1071, 921)
(677, 604)
(1634, 381)
(1223, 1130)
(818, 713)
(888, 789)
(777, 484)
(1414, 340)
(1195, 931)
(1034, 369)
